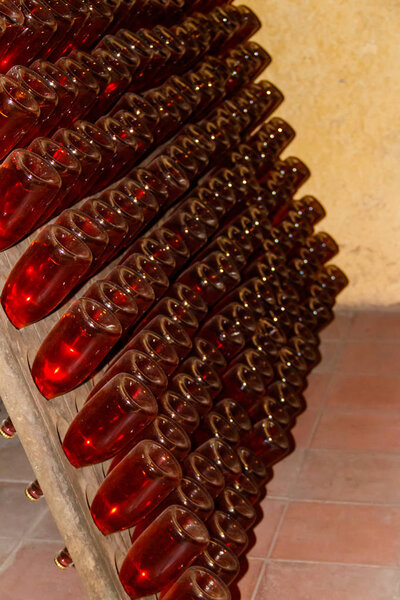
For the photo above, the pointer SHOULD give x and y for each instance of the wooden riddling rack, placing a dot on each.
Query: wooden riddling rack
(40, 425)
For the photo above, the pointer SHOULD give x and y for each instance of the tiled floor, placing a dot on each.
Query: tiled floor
(331, 527)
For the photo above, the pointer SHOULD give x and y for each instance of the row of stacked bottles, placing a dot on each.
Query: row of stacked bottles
(146, 163)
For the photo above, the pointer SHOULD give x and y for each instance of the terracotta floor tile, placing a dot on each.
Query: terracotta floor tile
(265, 530)
(7, 545)
(344, 533)
(41, 579)
(349, 477)
(303, 581)
(357, 430)
(46, 529)
(17, 513)
(304, 427)
(317, 388)
(329, 351)
(14, 465)
(248, 582)
(370, 358)
(375, 325)
(338, 329)
(285, 474)
(364, 392)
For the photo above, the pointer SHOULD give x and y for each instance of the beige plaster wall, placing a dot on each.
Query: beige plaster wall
(337, 62)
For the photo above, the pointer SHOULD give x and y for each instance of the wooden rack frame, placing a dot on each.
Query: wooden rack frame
(40, 425)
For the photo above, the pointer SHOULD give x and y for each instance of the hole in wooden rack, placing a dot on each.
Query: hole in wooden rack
(104, 467)
(119, 557)
(90, 493)
(62, 427)
(30, 357)
(79, 401)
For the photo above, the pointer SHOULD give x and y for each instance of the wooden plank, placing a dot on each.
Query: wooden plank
(40, 425)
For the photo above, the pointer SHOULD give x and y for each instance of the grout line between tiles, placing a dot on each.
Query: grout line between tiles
(18, 481)
(277, 530)
(24, 537)
(320, 410)
(335, 563)
(327, 391)
(46, 541)
(340, 502)
(259, 579)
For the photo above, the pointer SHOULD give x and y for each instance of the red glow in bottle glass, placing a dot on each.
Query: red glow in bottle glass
(69, 25)
(19, 112)
(104, 143)
(215, 425)
(140, 196)
(166, 547)
(111, 221)
(46, 272)
(157, 347)
(38, 28)
(157, 252)
(253, 466)
(151, 271)
(173, 333)
(175, 244)
(243, 384)
(135, 283)
(189, 299)
(139, 106)
(109, 421)
(135, 486)
(172, 176)
(100, 18)
(289, 397)
(74, 347)
(65, 163)
(65, 88)
(139, 365)
(205, 281)
(208, 354)
(29, 184)
(127, 146)
(130, 211)
(88, 89)
(169, 434)
(185, 226)
(219, 559)
(85, 229)
(248, 487)
(235, 414)
(120, 79)
(238, 507)
(116, 299)
(204, 374)
(176, 311)
(44, 95)
(205, 471)
(181, 411)
(223, 456)
(197, 583)
(88, 155)
(190, 494)
(224, 334)
(268, 441)
(13, 20)
(227, 530)
(193, 391)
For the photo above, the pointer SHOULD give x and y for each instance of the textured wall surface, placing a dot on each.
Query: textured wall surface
(337, 62)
